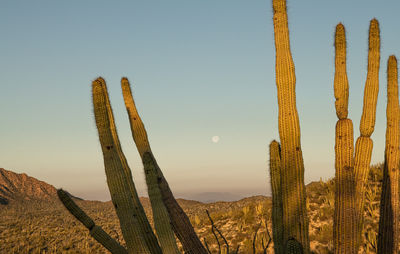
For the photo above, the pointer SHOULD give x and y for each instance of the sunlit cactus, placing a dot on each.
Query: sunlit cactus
(179, 220)
(135, 227)
(364, 144)
(388, 236)
(352, 169)
(276, 189)
(295, 221)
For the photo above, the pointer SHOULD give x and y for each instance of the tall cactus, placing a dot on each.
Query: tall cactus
(162, 221)
(344, 233)
(351, 172)
(179, 220)
(364, 144)
(295, 221)
(388, 236)
(135, 227)
(276, 188)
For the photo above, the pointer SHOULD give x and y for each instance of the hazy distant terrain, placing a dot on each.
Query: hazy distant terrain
(34, 221)
(211, 197)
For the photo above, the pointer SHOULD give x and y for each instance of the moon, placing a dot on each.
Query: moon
(215, 139)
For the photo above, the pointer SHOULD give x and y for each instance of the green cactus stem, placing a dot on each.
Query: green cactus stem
(161, 219)
(180, 222)
(293, 189)
(388, 236)
(135, 227)
(276, 188)
(95, 231)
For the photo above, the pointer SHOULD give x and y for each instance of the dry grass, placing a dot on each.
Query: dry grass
(47, 227)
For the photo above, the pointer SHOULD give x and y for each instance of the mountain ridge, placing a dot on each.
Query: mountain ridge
(21, 187)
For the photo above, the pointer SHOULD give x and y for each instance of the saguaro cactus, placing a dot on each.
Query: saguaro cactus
(135, 227)
(344, 233)
(388, 236)
(295, 221)
(276, 188)
(168, 215)
(364, 144)
(351, 172)
(179, 220)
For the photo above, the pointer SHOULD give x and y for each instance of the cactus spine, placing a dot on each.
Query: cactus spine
(135, 227)
(295, 219)
(95, 231)
(276, 188)
(352, 173)
(388, 236)
(179, 220)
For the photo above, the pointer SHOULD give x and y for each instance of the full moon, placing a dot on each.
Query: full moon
(215, 139)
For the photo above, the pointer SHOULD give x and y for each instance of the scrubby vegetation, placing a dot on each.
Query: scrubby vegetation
(47, 227)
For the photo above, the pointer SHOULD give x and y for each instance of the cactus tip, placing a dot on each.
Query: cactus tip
(392, 58)
(374, 22)
(340, 36)
(98, 82)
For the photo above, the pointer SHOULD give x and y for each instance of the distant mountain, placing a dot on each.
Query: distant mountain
(211, 197)
(21, 187)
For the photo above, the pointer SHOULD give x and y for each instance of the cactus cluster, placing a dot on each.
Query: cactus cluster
(351, 166)
(169, 218)
(289, 209)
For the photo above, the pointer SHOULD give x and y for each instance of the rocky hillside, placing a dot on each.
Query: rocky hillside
(21, 187)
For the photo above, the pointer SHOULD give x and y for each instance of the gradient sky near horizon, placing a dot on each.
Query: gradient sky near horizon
(199, 69)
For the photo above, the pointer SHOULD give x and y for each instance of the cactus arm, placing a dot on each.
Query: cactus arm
(362, 162)
(162, 222)
(367, 123)
(179, 220)
(95, 231)
(341, 87)
(135, 227)
(138, 130)
(364, 143)
(293, 188)
(388, 236)
(276, 188)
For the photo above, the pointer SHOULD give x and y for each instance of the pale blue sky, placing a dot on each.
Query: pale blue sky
(199, 68)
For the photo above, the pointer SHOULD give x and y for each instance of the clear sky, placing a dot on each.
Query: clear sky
(199, 69)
